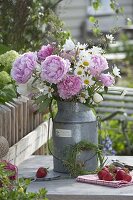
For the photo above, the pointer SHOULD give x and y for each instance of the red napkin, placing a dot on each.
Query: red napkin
(93, 179)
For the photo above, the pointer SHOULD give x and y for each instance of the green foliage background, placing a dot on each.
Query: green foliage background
(22, 23)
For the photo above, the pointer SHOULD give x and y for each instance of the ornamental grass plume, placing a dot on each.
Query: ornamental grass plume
(71, 72)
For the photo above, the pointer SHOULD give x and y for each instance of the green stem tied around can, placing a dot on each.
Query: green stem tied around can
(75, 167)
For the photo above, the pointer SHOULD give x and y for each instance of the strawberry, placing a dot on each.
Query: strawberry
(127, 178)
(111, 172)
(41, 172)
(108, 177)
(102, 173)
(120, 175)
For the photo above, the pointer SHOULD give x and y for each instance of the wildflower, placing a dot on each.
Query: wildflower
(116, 71)
(110, 38)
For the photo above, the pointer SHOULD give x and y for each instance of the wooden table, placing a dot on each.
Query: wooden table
(65, 188)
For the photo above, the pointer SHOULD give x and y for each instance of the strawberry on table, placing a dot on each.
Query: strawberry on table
(41, 172)
(108, 177)
(123, 175)
(111, 172)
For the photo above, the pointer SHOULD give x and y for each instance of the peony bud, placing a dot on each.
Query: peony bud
(69, 45)
(97, 98)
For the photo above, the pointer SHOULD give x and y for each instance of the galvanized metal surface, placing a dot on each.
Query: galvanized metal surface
(74, 122)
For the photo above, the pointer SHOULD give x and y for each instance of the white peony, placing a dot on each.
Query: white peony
(69, 45)
(25, 89)
(97, 98)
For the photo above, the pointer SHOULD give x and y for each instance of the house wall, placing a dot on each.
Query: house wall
(74, 13)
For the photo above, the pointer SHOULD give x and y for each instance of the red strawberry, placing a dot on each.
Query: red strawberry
(41, 172)
(108, 177)
(127, 178)
(120, 175)
(102, 173)
(117, 169)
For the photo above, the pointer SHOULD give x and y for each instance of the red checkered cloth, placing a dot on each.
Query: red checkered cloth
(93, 179)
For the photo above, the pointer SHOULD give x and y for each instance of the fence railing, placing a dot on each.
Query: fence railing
(17, 119)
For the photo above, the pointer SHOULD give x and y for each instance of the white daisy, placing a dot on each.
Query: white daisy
(85, 94)
(110, 38)
(83, 54)
(116, 71)
(82, 99)
(87, 80)
(79, 71)
(85, 58)
(47, 90)
(96, 50)
(81, 46)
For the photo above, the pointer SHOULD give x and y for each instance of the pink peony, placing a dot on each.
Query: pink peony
(107, 79)
(54, 68)
(45, 51)
(69, 86)
(23, 67)
(97, 65)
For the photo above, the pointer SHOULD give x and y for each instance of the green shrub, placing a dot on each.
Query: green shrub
(17, 190)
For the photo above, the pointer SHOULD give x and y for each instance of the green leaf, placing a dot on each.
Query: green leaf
(112, 5)
(96, 31)
(41, 98)
(121, 10)
(92, 19)
(96, 4)
(44, 105)
(7, 93)
(4, 48)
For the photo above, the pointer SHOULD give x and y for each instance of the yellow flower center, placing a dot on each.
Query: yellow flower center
(85, 63)
(86, 81)
(79, 72)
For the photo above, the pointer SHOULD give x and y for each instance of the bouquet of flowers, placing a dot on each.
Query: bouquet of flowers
(71, 72)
